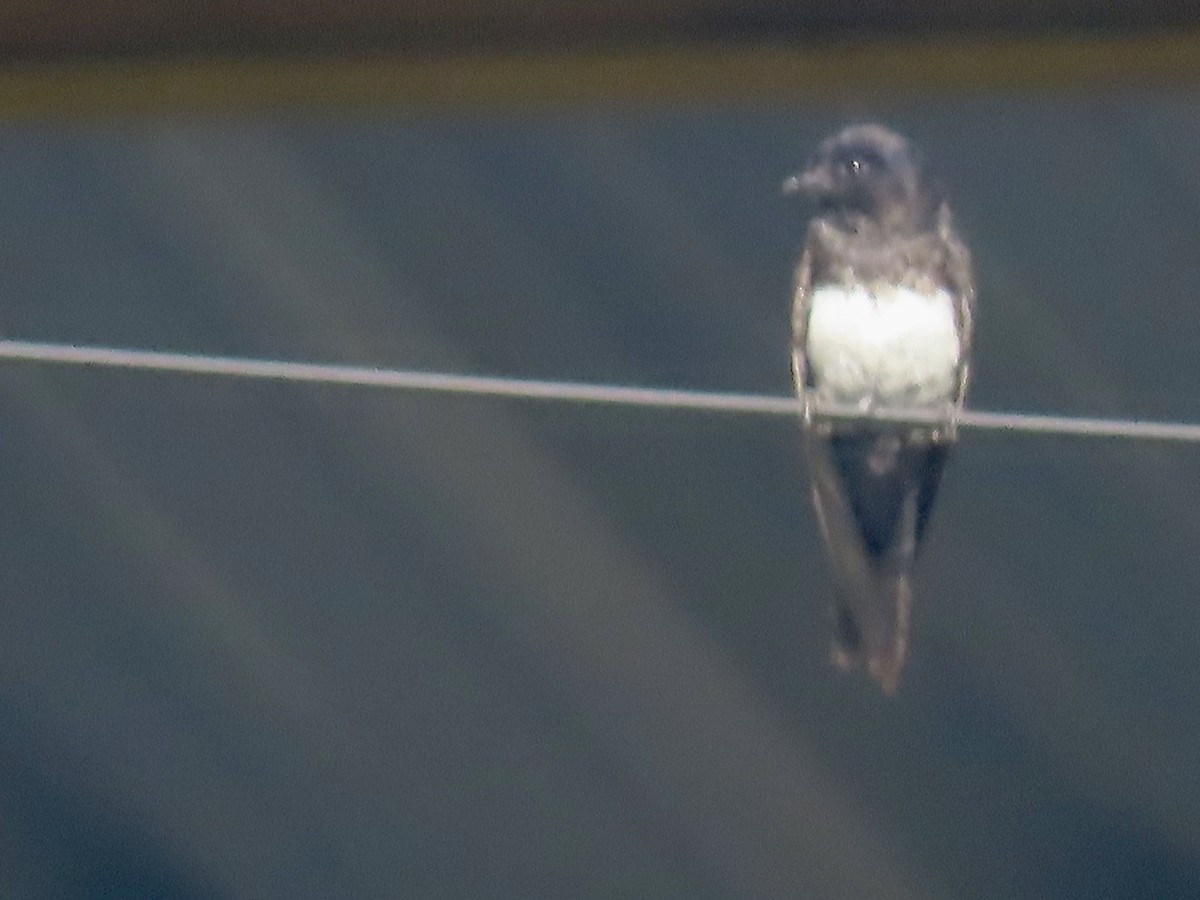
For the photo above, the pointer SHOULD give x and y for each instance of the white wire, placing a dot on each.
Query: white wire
(568, 391)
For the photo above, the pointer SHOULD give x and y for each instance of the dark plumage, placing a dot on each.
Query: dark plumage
(882, 310)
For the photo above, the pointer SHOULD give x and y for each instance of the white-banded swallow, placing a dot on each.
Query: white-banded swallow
(882, 312)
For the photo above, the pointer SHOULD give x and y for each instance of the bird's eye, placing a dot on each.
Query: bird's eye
(850, 164)
(860, 161)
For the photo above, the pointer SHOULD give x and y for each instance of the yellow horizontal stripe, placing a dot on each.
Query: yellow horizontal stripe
(734, 73)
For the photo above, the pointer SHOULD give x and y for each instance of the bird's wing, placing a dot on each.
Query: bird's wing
(801, 306)
(960, 279)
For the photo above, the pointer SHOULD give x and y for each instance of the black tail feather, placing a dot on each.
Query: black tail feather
(873, 491)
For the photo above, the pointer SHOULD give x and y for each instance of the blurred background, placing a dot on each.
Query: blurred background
(277, 640)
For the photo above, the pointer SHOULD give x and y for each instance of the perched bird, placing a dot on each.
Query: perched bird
(884, 296)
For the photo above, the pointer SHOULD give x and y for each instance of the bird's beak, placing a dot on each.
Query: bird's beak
(810, 182)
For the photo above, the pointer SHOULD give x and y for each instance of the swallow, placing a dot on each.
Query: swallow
(881, 320)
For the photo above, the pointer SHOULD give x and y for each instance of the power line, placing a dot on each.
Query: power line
(568, 391)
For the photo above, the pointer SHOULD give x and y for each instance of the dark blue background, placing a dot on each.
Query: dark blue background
(280, 640)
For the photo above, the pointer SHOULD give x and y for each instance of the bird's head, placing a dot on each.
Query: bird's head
(868, 172)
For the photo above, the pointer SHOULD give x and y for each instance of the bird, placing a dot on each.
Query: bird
(882, 319)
